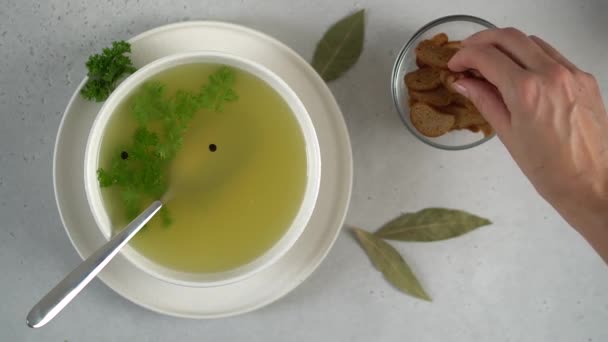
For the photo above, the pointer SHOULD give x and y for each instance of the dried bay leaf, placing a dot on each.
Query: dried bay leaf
(340, 47)
(388, 261)
(432, 224)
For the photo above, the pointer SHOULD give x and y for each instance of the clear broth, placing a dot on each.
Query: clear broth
(254, 181)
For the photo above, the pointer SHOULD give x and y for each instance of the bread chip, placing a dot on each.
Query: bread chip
(454, 44)
(434, 55)
(439, 39)
(486, 129)
(465, 117)
(429, 121)
(462, 101)
(419, 63)
(438, 97)
(474, 128)
(423, 79)
(410, 102)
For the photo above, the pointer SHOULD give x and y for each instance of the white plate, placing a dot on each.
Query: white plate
(320, 233)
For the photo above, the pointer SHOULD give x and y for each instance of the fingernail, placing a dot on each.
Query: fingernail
(460, 89)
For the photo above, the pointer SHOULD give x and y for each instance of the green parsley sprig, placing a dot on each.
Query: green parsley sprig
(143, 175)
(105, 69)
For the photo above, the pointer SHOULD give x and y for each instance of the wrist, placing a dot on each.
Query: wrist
(582, 200)
(597, 237)
(590, 218)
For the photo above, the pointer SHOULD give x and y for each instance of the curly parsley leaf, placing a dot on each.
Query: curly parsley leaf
(150, 103)
(105, 179)
(105, 69)
(219, 90)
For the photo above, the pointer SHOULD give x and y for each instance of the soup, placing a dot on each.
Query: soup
(247, 156)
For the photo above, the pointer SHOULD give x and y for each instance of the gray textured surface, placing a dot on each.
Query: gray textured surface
(527, 278)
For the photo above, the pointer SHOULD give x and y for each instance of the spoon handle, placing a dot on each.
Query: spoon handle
(54, 301)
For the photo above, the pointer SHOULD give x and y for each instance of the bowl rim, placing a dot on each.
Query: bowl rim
(313, 157)
(397, 67)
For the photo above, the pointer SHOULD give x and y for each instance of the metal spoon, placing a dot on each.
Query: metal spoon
(198, 176)
(62, 294)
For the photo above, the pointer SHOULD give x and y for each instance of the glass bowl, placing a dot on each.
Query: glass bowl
(457, 27)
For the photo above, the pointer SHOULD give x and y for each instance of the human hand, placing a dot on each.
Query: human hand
(550, 116)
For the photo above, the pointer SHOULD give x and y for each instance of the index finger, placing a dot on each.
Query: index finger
(515, 44)
(495, 66)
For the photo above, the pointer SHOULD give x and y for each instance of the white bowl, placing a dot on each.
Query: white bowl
(313, 162)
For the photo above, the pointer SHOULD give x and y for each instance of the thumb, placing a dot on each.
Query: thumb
(488, 101)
